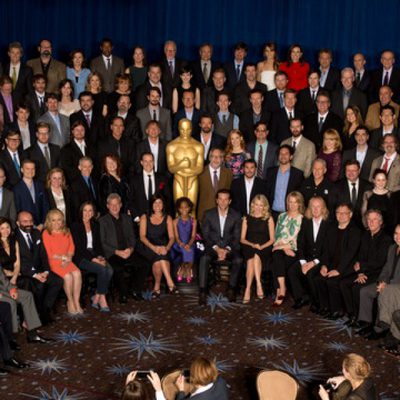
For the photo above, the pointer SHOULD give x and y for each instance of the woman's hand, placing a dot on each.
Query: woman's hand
(131, 377)
(289, 252)
(323, 394)
(180, 382)
(13, 281)
(155, 381)
(336, 381)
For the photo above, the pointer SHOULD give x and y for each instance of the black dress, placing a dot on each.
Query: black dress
(180, 91)
(7, 261)
(257, 232)
(107, 185)
(100, 99)
(382, 203)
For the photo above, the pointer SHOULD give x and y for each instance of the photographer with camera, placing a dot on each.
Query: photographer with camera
(135, 389)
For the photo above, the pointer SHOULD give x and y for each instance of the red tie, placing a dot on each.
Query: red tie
(386, 164)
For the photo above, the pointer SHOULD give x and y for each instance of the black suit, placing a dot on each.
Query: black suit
(80, 193)
(160, 164)
(377, 78)
(280, 125)
(270, 159)
(231, 75)
(271, 101)
(171, 80)
(198, 76)
(240, 101)
(332, 81)
(217, 141)
(376, 137)
(357, 98)
(238, 191)
(209, 99)
(311, 129)
(246, 123)
(364, 83)
(141, 100)
(351, 154)
(35, 154)
(24, 81)
(195, 121)
(96, 131)
(132, 127)
(9, 167)
(305, 104)
(34, 107)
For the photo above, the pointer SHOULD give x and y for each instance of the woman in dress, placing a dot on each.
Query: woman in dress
(9, 251)
(123, 85)
(157, 237)
(67, 104)
(57, 193)
(235, 153)
(285, 245)
(138, 69)
(296, 68)
(352, 121)
(331, 152)
(77, 72)
(60, 249)
(111, 181)
(184, 84)
(256, 238)
(94, 86)
(89, 253)
(267, 68)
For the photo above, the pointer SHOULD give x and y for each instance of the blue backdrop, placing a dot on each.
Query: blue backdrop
(345, 26)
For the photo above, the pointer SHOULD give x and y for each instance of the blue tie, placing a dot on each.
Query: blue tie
(16, 163)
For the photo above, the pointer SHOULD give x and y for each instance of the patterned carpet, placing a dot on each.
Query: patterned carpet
(92, 354)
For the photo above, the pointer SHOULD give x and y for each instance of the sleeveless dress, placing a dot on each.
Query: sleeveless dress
(7, 260)
(257, 232)
(235, 163)
(268, 78)
(185, 233)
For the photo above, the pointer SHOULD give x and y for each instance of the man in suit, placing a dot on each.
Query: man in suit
(221, 231)
(235, 69)
(373, 121)
(207, 137)
(11, 157)
(154, 80)
(243, 89)
(189, 111)
(152, 144)
(280, 121)
(118, 240)
(363, 77)
(209, 95)
(263, 150)
(8, 99)
(213, 178)
(154, 111)
(387, 75)
(7, 204)
(35, 271)
(351, 189)
(145, 184)
(171, 66)
(107, 65)
(36, 100)
(224, 120)
(388, 120)
(389, 162)
(304, 149)
(30, 195)
(316, 124)
(246, 187)
(307, 97)
(254, 115)
(204, 67)
(54, 71)
(363, 153)
(20, 74)
(282, 180)
(348, 95)
(45, 155)
(59, 123)
(93, 121)
(274, 98)
(329, 77)
(24, 126)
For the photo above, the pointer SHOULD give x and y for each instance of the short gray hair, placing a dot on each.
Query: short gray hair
(114, 196)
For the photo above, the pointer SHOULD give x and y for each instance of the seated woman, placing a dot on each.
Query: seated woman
(9, 252)
(157, 238)
(285, 245)
(60, 249)
(235, 153)
(89, 253)
(331, 152)
(354, 384)
(256, 238)
(58, 194)
(185, 227)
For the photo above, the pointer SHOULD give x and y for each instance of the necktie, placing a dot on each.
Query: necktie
(260, 163)
(154, 115)
(83, 151)
(30, 243)
(91, 188)
(386, 164)
(205, 72)
(237, 72)
(353, 194)
(41, 105)
(14, 77)
(320, 123)
(108, 64)
(215, 181)
(119, 148)
(281, 99)
(386, 78)
(313, 95)
(16, 164)
(358, 78)
(87, 120)
(171, 68)
(290, 115)
(150, 188)
(224, 119)
(47, 156)
(294, 145)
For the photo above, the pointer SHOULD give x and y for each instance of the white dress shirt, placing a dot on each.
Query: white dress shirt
(249, 187)
(154, 150)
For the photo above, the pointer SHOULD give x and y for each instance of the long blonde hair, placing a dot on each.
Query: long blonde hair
(49, 216)
(266, 210)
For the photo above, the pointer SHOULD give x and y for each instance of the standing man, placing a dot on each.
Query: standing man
(363, 77)
(307, 97)
(204, 67)
(189, 111)
(235, 69)
(329, 77)
(171, 65)
(387, 124)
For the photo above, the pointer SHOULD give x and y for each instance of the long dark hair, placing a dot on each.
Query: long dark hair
(154, 198)
(4, 220)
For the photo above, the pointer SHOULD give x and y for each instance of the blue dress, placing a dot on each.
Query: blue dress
(185, 233)
(80, 82)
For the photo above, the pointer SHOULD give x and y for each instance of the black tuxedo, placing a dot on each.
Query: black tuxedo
(141, 100)
(97, 125)
(311, 130)
(24, 81)
(305, 104)
(271, 158)
(280, 125)
(34, 107)
(377, 77)
(332, 81)
(35, 154)
(238, 191)
(357, 98)
(271, 101)
(246, 123)
(231, 77)
(351, 154)
(144, 147)
(364, 83)
(240, 101)
(171, 80)
(80, 193)
(195, 121)
(217, 141)
(8, 165)
(198, 76)
(376, 137)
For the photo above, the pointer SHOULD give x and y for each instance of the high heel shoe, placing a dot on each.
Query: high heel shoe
(280, 298)
(173, 290)
(246, 301)
(95, 305)
(155, 294)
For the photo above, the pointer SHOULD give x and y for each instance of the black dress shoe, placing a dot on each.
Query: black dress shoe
(364, 331)
(300, 303)
(202, 299)
(12, 362)
(137, 296)
(3, 372)
(323, 312)
(335, 315)
(231, 295)
(14, 345)
(374, 335)
(123, 300)
(39, 339)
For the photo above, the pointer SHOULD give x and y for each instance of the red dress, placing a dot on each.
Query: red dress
(59, 243)
(297, 73)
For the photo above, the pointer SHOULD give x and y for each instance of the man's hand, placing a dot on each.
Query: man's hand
(41, 277)
(381, 287)
(361, 278)
(307, 266)
(333, 273)
(356, 266)
(221, 253)
(324, 271)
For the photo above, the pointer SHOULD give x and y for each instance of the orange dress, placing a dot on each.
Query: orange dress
(59, 244)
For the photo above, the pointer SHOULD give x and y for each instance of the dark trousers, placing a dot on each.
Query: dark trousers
(103, 274)
(280, 265)
(5, 331)
(234, 259)
(328, 293)
(302, 285)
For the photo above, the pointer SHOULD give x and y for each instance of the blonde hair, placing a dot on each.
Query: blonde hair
(50, 174)
(357, 366)
(203, 372)
(266, 210)
(332, 134)
(300, 201)
(49, 216)
(90, 77)
(325, 211)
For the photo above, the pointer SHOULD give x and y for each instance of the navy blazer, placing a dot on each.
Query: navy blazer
(271, 158)
(180, 114)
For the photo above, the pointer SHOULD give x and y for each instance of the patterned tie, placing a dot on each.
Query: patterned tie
(215, 181)
(14, 77)
(260, 163)
(87, 120)
(16, 164)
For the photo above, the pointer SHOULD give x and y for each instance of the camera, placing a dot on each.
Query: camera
(328, 386)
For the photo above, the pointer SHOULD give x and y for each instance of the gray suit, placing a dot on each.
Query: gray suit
(108, 76)
(25, 299)
(164, 121)
(304, 154)
(393, 177)
(7, 207)
(60, 138)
